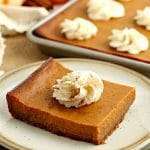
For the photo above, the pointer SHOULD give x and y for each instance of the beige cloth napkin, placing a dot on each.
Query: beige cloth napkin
(17, 19)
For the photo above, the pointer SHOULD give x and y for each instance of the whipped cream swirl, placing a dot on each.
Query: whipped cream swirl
(78, 28)
(143, 17)
(104, 9)
(128, 40)
(78, 88)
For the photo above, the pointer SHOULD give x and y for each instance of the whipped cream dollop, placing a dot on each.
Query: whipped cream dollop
(104, 9)
(143, 17)
(78, 28)
(128, 40)
(78, 88)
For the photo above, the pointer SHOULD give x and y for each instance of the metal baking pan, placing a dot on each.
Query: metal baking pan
(55, 49)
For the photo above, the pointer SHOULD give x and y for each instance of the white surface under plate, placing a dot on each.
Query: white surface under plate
(133, 132)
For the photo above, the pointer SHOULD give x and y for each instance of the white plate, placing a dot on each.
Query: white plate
(133, 132)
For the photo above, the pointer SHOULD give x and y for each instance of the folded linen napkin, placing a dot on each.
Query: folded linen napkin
(19, 19)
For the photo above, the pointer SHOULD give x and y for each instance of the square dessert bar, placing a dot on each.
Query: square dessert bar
(32, 102)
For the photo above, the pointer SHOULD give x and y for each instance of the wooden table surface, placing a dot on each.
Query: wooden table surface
(20, 51)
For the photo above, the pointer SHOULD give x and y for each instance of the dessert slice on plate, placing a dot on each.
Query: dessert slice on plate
(32, 102)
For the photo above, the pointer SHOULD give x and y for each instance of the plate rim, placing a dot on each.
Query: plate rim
(138, 144)
(7, 73)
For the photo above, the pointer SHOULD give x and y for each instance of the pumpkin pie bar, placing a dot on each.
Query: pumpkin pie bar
(32, 102)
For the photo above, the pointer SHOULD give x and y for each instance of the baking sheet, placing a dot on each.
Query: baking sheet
(58, 48)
